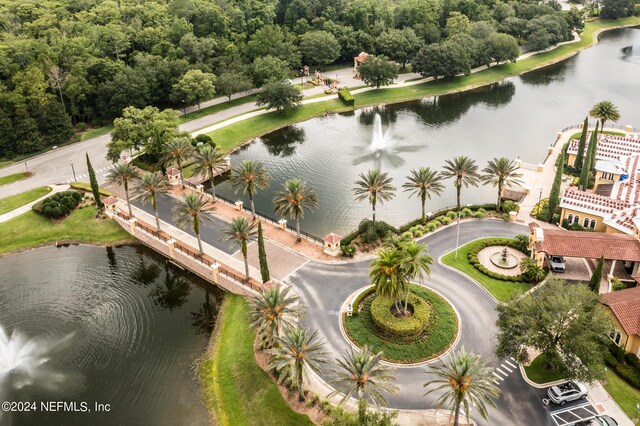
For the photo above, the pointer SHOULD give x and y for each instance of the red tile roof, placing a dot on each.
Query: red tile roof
(625, 305)
(589, 245)
(109, 201)
(173, 171)
(332, 238)
(609, 146)
(574, 198)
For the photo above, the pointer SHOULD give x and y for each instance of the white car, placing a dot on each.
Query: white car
(556, 263)
(567, 392)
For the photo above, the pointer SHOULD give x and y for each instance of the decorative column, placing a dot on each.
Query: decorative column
(239, 205)
(132, 225)
(215, 269)
(282, 223)
(171, 245)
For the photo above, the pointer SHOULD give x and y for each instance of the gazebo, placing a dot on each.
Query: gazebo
(332, 244)
(174, 175)
(357, 60)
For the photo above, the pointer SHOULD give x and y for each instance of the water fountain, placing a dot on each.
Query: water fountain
(504, 259)
(378, 141)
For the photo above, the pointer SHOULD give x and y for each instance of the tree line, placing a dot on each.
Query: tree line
(65, 63)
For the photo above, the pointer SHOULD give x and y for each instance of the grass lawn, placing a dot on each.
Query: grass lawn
(537, 374)
(218, 107)
(13, 202)
(32, 230)
(439, 332)
(606, 132)
(5, 163)
(14, 177)
(86, 187)
(236, 389)
(623, 393)
(238, 133)
(98, 131)
(501, 290)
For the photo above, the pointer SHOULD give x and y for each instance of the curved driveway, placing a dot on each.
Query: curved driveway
(324, 287)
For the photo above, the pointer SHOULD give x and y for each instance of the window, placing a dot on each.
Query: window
(593, 224)
(586, 222)
(615, 336)
(576, 219)
(570, 218)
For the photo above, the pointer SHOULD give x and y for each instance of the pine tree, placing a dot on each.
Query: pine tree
(583, 142)
(594, 282)
(589, 161)
(554, 195)
(94, 185)
(262, 256)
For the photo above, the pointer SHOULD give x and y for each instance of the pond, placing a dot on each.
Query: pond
(117, 326)
(518, 117)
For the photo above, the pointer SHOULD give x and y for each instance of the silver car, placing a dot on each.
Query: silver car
(556, 263)
(567, 392)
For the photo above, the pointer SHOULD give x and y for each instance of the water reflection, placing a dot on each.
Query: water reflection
(553, 74)
(172, 292)
(204, 318)
(631, 53)
(282, 143)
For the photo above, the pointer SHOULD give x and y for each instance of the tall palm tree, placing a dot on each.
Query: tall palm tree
(362, 375)
(293, 200)
(500, 172)
(271, 310)
(240, 231)
(190, 211)
(464, 171)
(375, 186)
(604, 111)
(387, 275)
(122, 174)
(297, 350)
(467, 381)
(176, 151)
(208, 162)
(249, 176)
(148, 188)
(415, 264)
(423, 183)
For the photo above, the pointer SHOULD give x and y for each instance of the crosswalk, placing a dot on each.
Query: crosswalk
(102, 172)
(506, 368)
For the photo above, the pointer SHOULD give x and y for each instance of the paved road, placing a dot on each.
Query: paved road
(325, 287)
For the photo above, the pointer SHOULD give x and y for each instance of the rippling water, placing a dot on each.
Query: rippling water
(518, 117)
(125, 327)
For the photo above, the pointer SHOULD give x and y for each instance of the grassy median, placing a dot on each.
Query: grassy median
(32, 230)
(625, 395)
(538, 374)
(4, 180)
(14, 201)
(236, 389)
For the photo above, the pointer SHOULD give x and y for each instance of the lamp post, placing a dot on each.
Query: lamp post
(457, 236)
(540, 196)
(26, 167)
(184, 108)
(74, 172)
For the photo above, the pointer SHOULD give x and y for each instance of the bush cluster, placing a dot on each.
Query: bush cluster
(510, 206)
(473, 258)
(389, 324)
(370, 233)
(346, 97)
(58, 205)
(472, 210)
(358, 300)
(627, 365)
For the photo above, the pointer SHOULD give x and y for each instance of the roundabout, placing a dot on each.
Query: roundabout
(428, 330)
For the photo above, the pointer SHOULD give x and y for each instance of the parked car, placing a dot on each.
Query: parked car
(556, 263)
(567, 392)
(599, 421)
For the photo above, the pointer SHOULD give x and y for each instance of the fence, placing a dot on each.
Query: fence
(608, 126)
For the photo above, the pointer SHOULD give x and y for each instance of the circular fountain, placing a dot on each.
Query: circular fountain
(504, 259)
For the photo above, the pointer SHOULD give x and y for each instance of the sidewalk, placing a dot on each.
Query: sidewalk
(23, 209)
(606, 405)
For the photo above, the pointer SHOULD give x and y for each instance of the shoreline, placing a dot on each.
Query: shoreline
(365, 98)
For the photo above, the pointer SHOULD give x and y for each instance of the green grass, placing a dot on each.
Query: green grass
(14, 177)
(537, 374)
(86, 187)
(236, 389)
(98, 131)
(501, 290)
(439, 333)
(623, 393)
(218, 107)
(235, 134)
(32, 230)
(606, 132)
(5, 163)
(13, 202)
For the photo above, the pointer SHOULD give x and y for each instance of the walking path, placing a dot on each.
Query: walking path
(23, 209)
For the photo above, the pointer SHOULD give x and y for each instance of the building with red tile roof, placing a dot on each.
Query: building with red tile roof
(624, 308)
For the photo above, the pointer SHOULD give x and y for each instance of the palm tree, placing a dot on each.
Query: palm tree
(293, 200)
(297, 350)
(240, 231)
(374, 186)
(387, 274)
(176, 151)
(249, 176)
(121, 174)
(190, 211)
(500, 172)
(361, 374)
(465, 172)
(148, 188)
(423, 183)
(209, 162)
(273, 309)
(467, 381)
(604, 111)
(415, 263)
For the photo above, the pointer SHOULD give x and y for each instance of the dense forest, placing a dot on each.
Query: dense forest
(65, 63)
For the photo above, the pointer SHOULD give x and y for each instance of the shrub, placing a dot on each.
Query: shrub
(407, 236)
(632, 360)
(452, 214)
(431, 226)
(58, 205)
(445, 220)
(348, 250)
(629, 374)
(617, 285)
(506, 217)
(479, 215)
(509, 206)
(346, 97)
(617, 351)
(81, 126)
(466, 212)
(9, 154)
(384, 319)
(610, 360)
(481, 210)
(356, 302)
(441, 218)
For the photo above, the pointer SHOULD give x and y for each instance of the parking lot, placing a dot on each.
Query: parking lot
(570, 415)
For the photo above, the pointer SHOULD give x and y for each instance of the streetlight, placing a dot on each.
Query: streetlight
(184, 108)
(540, 196)
(74, 172)
(26, 167)
(457, 236)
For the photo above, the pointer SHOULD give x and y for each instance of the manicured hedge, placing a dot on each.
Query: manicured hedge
(465, 212)
(389, 324)
(346, 97)
(625, 364)
(473, 258)
(358, 300)
(58, 205)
